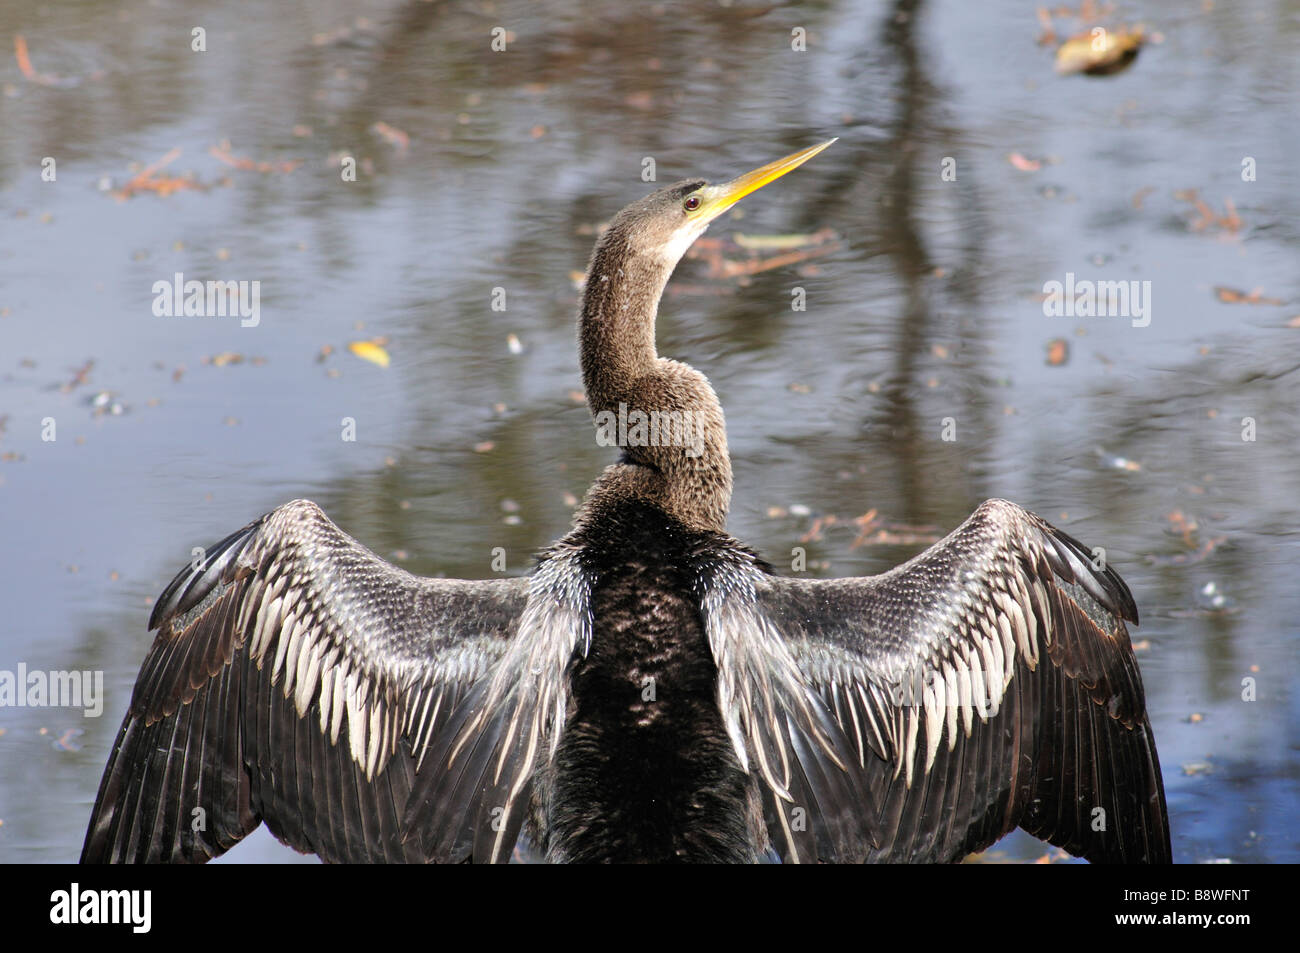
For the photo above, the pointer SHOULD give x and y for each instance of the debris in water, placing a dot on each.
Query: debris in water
(148, 180)
(1235, 296)
(222, 152)
(1212, 599)
(29, 72)
(395, 137)
(372, 351)
(1117, 463)
(105, 403)
(67, 741)
(1099, 51)
(1024, 163)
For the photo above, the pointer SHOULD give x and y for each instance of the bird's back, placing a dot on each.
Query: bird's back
(645, 770)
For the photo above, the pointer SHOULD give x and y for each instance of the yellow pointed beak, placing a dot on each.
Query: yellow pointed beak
(719, 198)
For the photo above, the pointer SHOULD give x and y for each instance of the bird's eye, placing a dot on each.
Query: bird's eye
(692, 203)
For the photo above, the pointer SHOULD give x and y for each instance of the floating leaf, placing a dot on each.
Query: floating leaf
(1023, 163)
(783, 242)
(222, 152)
(29, 72)
(1233, 296)
(395, 137)
(67, 740)
(1206, 217)
(370, 351)
(1099, 51)
(147, 180)
(1140, 195)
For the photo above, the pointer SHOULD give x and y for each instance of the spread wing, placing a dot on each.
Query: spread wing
(300, 680)
(986, 684)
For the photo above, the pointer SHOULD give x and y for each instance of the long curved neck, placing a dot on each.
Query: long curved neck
(663, 415)
(616, 329)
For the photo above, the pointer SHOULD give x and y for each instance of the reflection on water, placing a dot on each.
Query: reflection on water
(478, 170)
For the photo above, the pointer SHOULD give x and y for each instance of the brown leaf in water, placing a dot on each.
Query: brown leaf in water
(1235, 296)
(1099, 51)
(222, 153)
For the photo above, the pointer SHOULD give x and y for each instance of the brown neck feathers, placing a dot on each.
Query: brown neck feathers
(662, 415)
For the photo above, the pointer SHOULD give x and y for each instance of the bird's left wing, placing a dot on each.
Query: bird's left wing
(989, 683)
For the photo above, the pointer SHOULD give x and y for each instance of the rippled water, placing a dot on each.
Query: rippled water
(929, 307)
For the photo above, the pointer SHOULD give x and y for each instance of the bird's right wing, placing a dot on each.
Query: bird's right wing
(300, 680)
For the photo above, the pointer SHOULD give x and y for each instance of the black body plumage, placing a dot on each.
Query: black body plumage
(645, 770)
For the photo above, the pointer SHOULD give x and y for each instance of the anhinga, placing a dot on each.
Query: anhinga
(652, 691)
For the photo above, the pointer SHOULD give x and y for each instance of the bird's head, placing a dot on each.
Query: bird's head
(665, 223)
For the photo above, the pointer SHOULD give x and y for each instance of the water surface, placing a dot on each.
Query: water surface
(928, 308)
